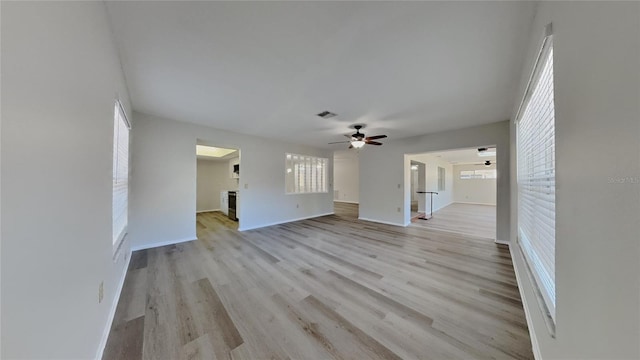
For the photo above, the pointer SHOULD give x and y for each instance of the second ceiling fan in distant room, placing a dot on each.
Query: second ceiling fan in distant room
(358, 139)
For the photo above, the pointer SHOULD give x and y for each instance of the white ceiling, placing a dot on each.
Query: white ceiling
(463, 156)
(266, 68)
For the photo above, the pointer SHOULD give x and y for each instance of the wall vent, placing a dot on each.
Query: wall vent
(327, 114)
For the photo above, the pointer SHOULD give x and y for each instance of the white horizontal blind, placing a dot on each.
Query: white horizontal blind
(306, 174)
(120, 173)
(478, 174)
(536, 179)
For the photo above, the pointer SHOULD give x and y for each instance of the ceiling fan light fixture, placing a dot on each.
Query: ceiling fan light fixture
(357, 144)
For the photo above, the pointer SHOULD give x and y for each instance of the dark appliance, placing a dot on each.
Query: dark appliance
(232, 205)
(236, 169)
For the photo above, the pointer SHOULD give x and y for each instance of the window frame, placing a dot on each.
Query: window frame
(442, 178)
(547, 302)
(480, 176)
(120, 118)
(311, 179)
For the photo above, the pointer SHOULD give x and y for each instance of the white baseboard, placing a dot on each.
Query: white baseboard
(162, 243)
(201, 211)
(473, 203)
(503, 242)
(112, 311)
(283, 222)
(346, 201)
(382, 222)
(535, 346)
(442, 207)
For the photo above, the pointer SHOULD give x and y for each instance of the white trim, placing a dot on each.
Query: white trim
(503, 242)
(535, 346)
(383, 222)
(284, 222)
(112, 311)
(442, 207)
(346, 201)
(124, 113)
(162, 243)
(548, 31)
(210, 210)
(473, 203)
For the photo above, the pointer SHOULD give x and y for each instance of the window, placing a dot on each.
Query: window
(306, 174)
(478, 174)
(441, 178)
(120, 174)
(536, 177)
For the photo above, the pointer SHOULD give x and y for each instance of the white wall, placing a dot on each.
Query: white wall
(476, 191)
(346, 175)
(163, 200)
(597, 97)
(60, 73)
(443, 198)
(382, 192)
(212, 178)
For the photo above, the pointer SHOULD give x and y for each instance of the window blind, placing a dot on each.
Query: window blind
(306, 174)
(536, 178)
(120, 174)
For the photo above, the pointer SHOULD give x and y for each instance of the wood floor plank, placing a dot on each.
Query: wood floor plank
(329, 287)
(211, 307)
(125, 340)
(470, 219)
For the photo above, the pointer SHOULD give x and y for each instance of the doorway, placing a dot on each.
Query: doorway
(418, 182)
(464, 187)
(346, 184)
(217, 184)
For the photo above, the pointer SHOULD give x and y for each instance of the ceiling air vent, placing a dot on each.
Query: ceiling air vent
(327, 114)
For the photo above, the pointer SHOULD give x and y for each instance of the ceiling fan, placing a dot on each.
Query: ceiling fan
(487, 163)
(358, 139)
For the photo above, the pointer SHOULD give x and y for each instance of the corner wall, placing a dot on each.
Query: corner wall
(346, 175)
(60, 74)
(597, 103)
(163, 187)
(212, 178)
(474, 191)
(443, 198)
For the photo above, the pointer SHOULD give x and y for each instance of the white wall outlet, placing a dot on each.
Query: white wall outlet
(297, 206)
(398, 209)
(100, 292)
(246, 186)
(399, 186)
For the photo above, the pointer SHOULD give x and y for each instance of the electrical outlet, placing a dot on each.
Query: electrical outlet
(297, 206)
(399, 186)
(246, 186)
(398, 209)
(100, 292)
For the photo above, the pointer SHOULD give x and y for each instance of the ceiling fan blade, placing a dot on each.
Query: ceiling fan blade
(376, 137)
(372, 143)
(339, 142)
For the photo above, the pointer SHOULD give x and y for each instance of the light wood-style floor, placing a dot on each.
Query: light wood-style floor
(468, 219)
(330, 287)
